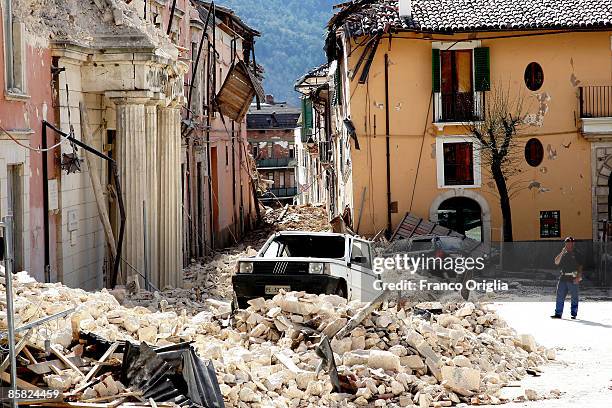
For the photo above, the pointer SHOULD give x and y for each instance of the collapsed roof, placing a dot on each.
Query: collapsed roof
(371, 17)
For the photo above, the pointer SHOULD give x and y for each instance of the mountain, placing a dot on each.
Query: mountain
(292, 38)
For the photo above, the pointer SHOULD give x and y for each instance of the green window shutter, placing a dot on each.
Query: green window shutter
(306, 119)
(435, 70)
(482, 69)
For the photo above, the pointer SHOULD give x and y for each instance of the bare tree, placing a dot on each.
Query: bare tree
(501, 152)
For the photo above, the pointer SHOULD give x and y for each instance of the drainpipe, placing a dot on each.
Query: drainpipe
(387, 142)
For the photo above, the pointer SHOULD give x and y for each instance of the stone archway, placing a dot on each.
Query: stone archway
(601, 190)
(484, 208)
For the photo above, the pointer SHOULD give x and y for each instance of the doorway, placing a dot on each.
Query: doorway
(463, 215)
(15, 206)
(215, 189)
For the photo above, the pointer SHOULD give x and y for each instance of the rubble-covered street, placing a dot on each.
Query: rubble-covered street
(273, 354)
(267, 355)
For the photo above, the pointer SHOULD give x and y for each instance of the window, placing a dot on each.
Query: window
(291, 151)
(14, 47)
(534, 152)
(360, 254)
(281, 179)
(459, 74)
(534, 76)
(175, 31)
(269, 146)
(550, 224)
(458, 164)
(255, 150)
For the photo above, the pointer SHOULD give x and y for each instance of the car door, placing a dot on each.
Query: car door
(362, 276)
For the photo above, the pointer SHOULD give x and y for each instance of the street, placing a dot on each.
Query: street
(583, 370)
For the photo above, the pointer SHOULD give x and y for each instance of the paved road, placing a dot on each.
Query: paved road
(583, 370)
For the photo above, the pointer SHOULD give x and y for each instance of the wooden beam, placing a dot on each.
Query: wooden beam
(23, 385)
(104, 357)
(66, 361)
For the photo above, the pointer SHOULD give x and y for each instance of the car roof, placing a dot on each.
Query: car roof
(320, 234)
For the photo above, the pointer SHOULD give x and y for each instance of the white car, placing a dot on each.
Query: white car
(314, 262)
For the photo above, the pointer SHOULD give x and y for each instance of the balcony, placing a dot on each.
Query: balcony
(271, 163)
(279, 193)
(596, 110)
(457, 108)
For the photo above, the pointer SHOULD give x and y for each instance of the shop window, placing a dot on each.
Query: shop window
(534, 76)
(534, 152)
(459, 164)
(550, 224)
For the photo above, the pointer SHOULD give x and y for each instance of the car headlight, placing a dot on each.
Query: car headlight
(316, 268)
(245, 267)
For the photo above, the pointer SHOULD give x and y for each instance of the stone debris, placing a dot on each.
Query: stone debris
(266, 355)
(91, 22)
(210, 278)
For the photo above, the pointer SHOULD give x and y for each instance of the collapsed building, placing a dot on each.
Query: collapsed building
(161, 89)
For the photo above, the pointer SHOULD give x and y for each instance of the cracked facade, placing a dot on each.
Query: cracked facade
(175, 164)
(435, 88)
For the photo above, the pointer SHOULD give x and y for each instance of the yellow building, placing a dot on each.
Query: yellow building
(417, 83)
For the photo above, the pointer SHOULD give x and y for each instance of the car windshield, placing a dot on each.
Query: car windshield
(306, 246)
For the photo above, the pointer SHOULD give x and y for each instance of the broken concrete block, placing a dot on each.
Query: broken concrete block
(414, 362)
(531, 395)
(462, 380)
(527, 342)
(383, 359)
(462, 361)
(356, 357)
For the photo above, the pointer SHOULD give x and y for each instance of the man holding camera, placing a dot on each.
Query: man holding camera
(571, 275)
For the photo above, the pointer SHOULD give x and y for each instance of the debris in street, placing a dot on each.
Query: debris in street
(268, 353)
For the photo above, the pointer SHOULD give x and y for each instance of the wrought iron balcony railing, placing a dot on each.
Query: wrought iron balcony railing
(458, 107)
(280, 192)
(596, 101)
(280, 162)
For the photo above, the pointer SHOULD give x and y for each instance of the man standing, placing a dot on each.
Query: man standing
(571, 275)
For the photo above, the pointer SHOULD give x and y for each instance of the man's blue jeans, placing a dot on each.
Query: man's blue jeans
(562, 288)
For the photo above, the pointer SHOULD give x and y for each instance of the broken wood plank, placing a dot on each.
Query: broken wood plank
(46, 366)
(66, 361)
(360, 316)
(104, 357)
(288, 363)
(92, 165)
(110, 397)
(21, 384)
(29, 355)
(20, 345)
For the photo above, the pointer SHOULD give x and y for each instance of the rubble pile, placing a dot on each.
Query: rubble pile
(210, 278)
(306, 217)
(267, 355)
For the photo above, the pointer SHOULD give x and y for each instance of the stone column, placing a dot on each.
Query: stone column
(131, 159)
(170, 205)
(152, 191)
